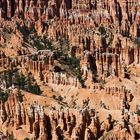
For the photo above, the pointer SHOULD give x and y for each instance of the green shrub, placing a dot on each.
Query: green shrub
(102, 30)
(3, 96)
(26, 139)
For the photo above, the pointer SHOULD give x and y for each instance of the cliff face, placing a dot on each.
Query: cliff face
(120, 13)
(104, 32)
(72, 47)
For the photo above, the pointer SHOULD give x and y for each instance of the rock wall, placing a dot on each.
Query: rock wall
(103, 63)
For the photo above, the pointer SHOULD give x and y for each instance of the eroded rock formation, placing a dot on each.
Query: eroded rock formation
(72, 47)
